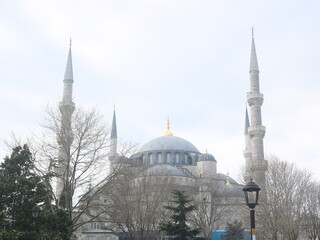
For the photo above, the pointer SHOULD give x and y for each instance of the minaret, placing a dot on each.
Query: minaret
(65, 136)
(247, 151)
(258, 166)
(113, 141)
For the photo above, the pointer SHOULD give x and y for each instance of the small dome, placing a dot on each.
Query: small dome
(206, 157)
(223, 177)
(228, 191)
(168, 143)
(164, 170)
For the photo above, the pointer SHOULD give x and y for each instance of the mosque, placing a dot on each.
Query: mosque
(179, 160)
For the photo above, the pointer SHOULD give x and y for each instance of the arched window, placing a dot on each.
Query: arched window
(169, 158)
(159, 157)
(189, 160)
(177, 157)
(151, 158)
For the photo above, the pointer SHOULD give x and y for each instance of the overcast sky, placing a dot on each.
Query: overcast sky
(188, 60)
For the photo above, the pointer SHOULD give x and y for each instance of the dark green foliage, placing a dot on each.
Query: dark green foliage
(177, 227)
(20, 190)
(234, 231)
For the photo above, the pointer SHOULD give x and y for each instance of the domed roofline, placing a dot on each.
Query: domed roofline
(168, 143)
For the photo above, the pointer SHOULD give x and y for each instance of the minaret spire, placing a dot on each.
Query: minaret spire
(65, 135)
(258, 165)
(247, 150)
(114, 135)
(247, 122)
(113, 154)
(253, 60)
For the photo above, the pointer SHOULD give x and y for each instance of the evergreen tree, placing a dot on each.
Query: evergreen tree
(177, 227)
(234, 231)
(20, 190)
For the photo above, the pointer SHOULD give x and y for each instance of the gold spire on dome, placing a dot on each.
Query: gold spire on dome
(168, 132)
(228, 180)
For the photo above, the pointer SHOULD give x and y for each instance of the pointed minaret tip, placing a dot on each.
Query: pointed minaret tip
(253, 60)
(247, 122)
(114, 134)
(68, 75)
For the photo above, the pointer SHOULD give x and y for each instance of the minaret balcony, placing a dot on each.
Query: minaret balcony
(255, 99)
(255, 131)
(247, 153)
(66, 107)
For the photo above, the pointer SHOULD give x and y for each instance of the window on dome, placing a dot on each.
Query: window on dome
(151, 158)
(159, 157)
(168, 158)
(177, 158)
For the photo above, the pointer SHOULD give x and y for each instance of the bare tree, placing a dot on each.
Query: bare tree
(136, 203)
(209, 213)
(311, 211)
(72, 152)
(280, 214)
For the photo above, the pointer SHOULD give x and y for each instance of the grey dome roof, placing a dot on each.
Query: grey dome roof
(206, 157)
(228, 191)
(223, 177)
(164, 170)
(168, 143)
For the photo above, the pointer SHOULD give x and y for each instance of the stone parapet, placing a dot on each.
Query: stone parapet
(247, 153)
(255, 99)
(256, 131)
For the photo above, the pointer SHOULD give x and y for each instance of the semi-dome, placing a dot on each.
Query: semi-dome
(223, 177)
(168, 143)
(228, 191)
(164, 170)
(206, 157)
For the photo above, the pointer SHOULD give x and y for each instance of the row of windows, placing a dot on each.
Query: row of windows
(166, 157)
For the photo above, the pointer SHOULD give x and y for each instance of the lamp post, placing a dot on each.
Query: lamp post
(35, 211)
(251, 193)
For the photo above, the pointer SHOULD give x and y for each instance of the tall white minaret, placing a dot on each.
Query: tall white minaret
(258, 166)
(65, 135)
(247, 150)
(113, 142)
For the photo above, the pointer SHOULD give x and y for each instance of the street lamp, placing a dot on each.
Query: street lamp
(251, 193)
(35, 211)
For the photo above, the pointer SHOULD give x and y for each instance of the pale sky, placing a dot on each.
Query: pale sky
(188, 60)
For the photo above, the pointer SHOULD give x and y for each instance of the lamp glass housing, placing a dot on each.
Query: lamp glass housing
(35, 211)
(251, 192)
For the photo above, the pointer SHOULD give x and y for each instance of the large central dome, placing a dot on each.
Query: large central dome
(168, 143)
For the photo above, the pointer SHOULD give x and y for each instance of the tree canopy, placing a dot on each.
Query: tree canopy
(234, 231)
(177, 227)
(20, 190)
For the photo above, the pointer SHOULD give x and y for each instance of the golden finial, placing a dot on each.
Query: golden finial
(252, 31)
(168, 132)
(228, 179)
(206, 150)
